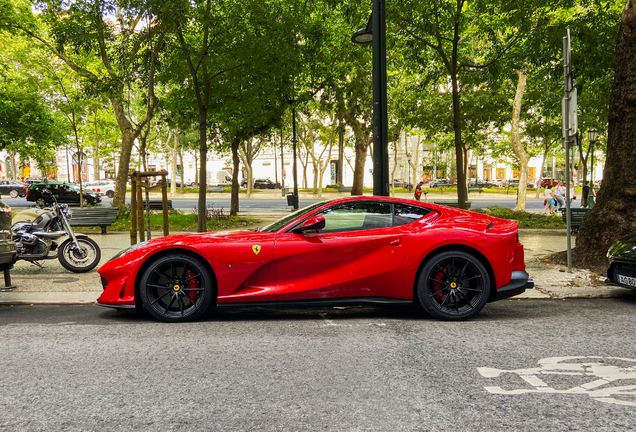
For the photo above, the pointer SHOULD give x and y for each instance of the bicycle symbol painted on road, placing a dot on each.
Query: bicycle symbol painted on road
(605, 379)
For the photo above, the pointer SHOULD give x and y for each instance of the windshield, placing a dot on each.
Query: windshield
(287, 219)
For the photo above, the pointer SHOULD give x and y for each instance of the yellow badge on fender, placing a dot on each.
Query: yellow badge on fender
(256, 249)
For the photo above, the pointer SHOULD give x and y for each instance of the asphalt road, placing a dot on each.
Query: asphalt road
(280, 204)
(85, 368)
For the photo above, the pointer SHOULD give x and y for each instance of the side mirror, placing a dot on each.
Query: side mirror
(311, 224)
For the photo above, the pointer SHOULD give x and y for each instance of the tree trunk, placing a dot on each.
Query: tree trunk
(234, 201)
(545, 155)
(395, 164)
(358, 171)
(247, 163)
(517, 146)
(182, 186)
(96, 152)
(615, 213)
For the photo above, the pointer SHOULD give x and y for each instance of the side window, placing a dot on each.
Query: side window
(405, 214)
(357, 216)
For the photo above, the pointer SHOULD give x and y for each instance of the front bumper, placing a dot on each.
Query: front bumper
(519, 282)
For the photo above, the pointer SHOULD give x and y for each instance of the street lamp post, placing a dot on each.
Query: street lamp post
(375, 32)
(408, 160)
(592, 135)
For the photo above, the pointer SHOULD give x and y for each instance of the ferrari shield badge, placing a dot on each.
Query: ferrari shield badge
(256, 249)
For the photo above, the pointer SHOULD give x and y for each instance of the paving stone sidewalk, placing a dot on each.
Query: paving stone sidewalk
(54, 284)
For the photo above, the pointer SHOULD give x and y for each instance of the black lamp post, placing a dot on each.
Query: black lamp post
(377, 25)
(408, 161)
(592, 135)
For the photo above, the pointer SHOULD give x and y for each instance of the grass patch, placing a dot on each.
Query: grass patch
(187, 222)
(526, 219)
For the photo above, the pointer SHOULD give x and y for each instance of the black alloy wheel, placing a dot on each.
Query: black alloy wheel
(453, 286)
(110, 194)
(41, 202)
(177, 288)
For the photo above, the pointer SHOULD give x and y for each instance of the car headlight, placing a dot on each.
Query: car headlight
(127, 251)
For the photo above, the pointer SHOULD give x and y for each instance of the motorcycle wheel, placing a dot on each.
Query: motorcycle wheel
(79, 260)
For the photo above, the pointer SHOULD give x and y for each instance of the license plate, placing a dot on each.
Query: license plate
(626, 280)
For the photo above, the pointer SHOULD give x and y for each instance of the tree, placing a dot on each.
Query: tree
(615, 213)
(70, 31)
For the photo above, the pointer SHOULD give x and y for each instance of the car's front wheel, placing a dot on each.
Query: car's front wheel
(177, 288)
(453, 286)
(13, 193)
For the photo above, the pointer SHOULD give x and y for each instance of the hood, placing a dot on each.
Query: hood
(624, 249)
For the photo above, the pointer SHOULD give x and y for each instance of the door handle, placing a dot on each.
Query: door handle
(395, 242)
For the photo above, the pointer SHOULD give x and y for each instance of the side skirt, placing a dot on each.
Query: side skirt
(348, 301)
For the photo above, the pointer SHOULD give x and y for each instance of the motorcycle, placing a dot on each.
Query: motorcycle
(37, 229)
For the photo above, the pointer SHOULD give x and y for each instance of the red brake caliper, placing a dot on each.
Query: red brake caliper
(192, 283)
(437, 286)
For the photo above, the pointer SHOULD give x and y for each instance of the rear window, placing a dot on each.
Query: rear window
(404, 214)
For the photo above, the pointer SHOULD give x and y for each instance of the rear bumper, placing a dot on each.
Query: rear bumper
(519, 282)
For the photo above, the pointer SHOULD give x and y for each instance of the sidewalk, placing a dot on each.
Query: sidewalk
(53, 284)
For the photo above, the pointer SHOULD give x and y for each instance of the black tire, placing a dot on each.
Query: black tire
(80, 260)
(177, 288)
(110, 194)
(453, 286)
(13, 193)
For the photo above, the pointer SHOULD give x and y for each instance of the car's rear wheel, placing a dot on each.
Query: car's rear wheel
(13, 193)
(453, 286)
(41, 202)
(110, 194)
(177, 288)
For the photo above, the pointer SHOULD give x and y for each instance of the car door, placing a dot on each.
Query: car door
(4, 187)
(359, 253)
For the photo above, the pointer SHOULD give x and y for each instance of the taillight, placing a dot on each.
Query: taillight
(98, 190)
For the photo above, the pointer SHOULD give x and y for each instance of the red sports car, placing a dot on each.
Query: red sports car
(358, 250)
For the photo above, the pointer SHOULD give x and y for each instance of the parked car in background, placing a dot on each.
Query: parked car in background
(482, 184)
(514, 184)
(102, 187)
(32, 180)
(549, 181)
(440, 183)
(8, 251)
(399, 183)
(13, 188)
(622, 258)
(266, 184)
(63, 192)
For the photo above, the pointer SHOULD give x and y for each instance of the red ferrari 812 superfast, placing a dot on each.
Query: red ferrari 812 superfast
(358, 250)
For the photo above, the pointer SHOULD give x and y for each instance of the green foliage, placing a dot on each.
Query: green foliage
(526, 219)
(187, 222)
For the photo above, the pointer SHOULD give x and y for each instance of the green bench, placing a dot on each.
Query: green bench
(157, 204)
(576, 217)
(453, 203)
(475, 189)
(102, 217)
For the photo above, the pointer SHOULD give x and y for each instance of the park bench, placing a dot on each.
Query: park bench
(475, 189)
(576, 217)
(157, 204)
(454, 204)
(344, 188)
(216, 189)
(102, 217)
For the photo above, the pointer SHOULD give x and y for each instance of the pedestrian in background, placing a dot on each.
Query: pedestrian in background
(418, 191)
(585, 199)
(548, 197)
(559, 195)
(572, 193)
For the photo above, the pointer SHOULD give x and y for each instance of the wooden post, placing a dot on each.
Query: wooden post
(140, 210)
(133, 209)
(164, 199)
